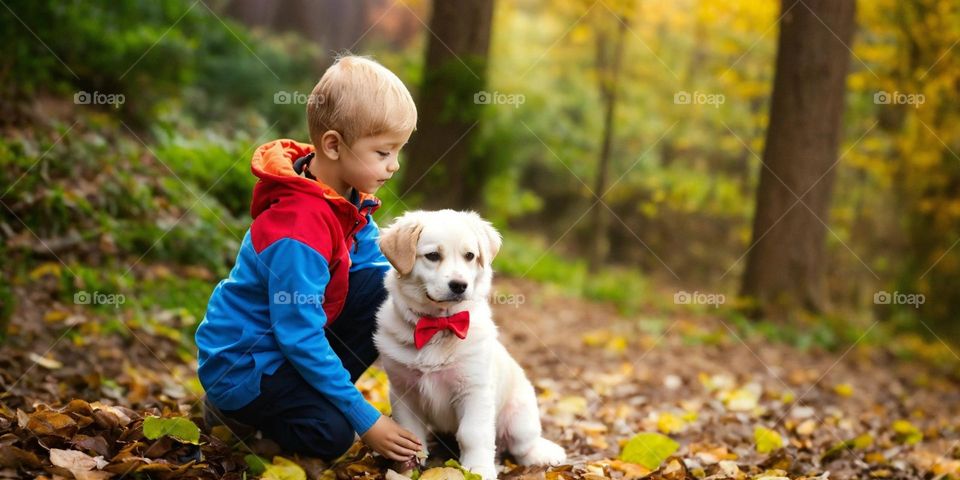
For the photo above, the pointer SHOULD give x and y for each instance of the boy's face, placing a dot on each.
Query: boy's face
(371, 161)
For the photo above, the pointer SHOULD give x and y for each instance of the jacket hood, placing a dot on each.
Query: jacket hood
(272, 163)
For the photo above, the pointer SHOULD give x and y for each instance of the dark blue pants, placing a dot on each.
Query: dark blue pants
(295, 415)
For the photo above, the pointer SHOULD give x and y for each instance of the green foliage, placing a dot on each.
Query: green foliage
(153, 53)
(525, 256)
(179, 428)
(121, 197)
(257, 464)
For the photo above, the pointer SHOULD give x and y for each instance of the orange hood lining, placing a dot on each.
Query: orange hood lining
(274, 161)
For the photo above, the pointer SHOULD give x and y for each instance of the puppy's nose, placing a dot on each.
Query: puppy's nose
(457, 286)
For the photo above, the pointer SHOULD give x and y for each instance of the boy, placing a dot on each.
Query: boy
(287, 334)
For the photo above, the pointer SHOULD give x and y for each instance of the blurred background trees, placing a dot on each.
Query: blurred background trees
(443, 168)
(533, 113)
(786, 259)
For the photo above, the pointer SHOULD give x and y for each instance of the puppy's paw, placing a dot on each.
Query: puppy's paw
(544, 452)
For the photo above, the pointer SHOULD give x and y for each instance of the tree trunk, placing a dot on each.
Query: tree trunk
(440, 169)
(333, 25)
(608, 66)
(785, 267)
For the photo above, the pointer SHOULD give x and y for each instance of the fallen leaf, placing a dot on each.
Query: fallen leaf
(49, 422)
(48, 363)
(843, 389)
(180, 428)
(283, 469)
(669, 423)
(767, 440)
(442, 473)
(257, 464)
(861, 442)
(79, 464)
(906, 432)
(742, 399)
(806, 428)
(648, 449)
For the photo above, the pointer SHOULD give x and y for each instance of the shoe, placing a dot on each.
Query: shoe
(212, 417)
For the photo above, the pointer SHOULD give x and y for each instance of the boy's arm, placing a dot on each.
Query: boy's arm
(366, 253)
(297, 279)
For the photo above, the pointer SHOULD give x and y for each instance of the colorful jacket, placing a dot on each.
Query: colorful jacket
(289, 282)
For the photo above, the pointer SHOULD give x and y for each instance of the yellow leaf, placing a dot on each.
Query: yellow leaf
(843, 389)
(906, 432)
(648, 449)
(596, 338)
(863, 441)
(617, 344)
(742, 400)
(48, 268)
(283, 469)
(669, 423)
(54, 316)
(571, 405)
(767, 440)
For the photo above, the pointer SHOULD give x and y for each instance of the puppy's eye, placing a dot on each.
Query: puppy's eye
(469, 256)
(433, 256)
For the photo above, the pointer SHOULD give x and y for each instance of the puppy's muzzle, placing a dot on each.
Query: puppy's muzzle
(457, 287)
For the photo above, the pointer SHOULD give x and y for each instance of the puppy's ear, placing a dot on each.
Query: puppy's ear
(490, 239)
(399, 243)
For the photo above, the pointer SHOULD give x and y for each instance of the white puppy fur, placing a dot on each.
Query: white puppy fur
(470, 387)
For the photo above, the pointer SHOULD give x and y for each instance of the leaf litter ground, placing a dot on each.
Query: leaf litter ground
(656, 395)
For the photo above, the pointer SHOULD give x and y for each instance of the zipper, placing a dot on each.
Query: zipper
(356, 245)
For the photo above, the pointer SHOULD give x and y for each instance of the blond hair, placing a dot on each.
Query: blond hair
(358, 97)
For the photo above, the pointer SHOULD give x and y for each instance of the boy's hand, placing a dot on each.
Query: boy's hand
(391, 440)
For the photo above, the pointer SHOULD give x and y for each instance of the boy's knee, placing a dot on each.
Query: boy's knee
(326, 439)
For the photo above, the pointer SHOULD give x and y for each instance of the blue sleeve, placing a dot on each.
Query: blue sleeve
(366, 253)
(297, 278)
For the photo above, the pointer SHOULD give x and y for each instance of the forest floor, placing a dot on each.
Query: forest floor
(683, 393)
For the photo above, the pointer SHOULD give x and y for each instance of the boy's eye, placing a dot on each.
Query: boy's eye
(433, 256)
(383, 154)
(469, 256)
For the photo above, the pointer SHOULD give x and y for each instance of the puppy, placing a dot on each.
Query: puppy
(438, 344)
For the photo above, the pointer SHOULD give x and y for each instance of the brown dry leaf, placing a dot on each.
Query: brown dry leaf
(124, 415)
(14, 457)
(96, 444)
(49, 422)
(709, 454)
(937, 464)
(81, 465)
(630, 470)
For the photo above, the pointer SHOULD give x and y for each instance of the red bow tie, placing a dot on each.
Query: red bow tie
(427, 327)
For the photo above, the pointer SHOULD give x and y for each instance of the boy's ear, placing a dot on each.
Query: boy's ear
(330, 144)
(399, 243)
